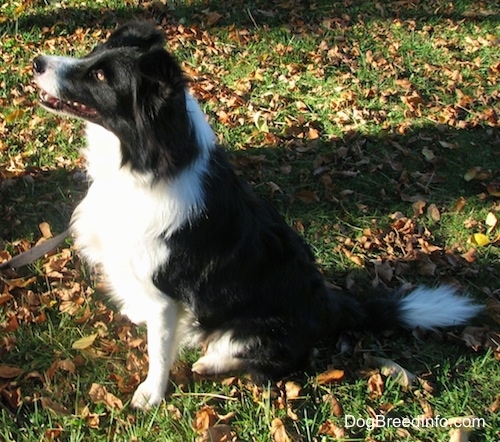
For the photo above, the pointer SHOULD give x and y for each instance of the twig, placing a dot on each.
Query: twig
(208, 395)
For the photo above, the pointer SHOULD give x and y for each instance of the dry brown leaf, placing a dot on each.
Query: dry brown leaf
(335, 405)
(212, 18)
(99, 394)
(12, 397)
(205, 418)
(293, 390)
(45, 230)
(332, 376)
(434, 213)
(51, 405)
(278, 431)
(306, 196)
(217, 433)
(375, 385)
(6, 297)
(418, 207)
(495, 405)
(459, 204)
(330, 429)
(10, 371)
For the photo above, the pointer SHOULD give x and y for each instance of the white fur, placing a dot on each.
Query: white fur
(221, 355)
(204, 134)
(440, 307)
(48, 80)
(121, 225)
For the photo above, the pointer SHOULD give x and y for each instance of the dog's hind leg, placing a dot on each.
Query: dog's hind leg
(265, 349)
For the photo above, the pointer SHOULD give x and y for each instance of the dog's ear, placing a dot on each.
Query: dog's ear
(159, 66)
(141, 34)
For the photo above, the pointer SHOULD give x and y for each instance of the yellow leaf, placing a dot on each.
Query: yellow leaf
(85, 342)
(19, 10)
(15, 115)
(480, 239)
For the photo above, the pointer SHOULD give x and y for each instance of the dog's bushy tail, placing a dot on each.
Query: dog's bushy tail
(424, 307)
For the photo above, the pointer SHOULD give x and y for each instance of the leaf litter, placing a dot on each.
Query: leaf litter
(389, 253)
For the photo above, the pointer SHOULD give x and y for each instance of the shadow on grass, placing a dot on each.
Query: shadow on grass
(329, 191)
(299, 15)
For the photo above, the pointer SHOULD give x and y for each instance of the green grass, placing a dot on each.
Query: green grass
(314, 103)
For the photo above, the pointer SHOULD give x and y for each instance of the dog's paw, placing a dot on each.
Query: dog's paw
(146, 396)
(214, 364)
(203, 366)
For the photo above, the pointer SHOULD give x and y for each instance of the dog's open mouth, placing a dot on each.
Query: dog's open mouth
(70, 107)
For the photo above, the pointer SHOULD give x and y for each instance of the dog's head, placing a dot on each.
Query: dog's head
(114, 80)
(131, 86)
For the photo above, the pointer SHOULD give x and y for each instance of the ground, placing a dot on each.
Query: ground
(373, 127)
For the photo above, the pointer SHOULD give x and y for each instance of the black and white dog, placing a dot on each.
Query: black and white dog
(185, 246)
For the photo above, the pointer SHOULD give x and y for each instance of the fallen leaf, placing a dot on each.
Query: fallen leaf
(375, 385)
(307, 196)
(213, 18)
(217, 433)
(433, 213)
(474, 337)
(428, 154)
(418, 207)
(293, 390)
(480, 239)
(10, 371)
(49, 404)
(278, 431)
(471, 173)
(85, 342)
(391, 369)
(459, 204)
(330, 377)
(45, 230)
(330, 429)
(491, 221)
(205, 418)
(335, 405)
(99, 394)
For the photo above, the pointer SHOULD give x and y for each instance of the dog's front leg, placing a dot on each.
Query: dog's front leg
(161, 326)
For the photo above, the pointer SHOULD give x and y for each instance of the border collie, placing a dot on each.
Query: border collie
(185, 246)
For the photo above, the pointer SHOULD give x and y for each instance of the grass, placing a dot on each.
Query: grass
(341, 114)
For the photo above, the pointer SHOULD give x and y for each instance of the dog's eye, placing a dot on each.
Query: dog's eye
(99, 75)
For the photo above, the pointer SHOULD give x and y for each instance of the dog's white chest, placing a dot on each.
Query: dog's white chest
(125, 219)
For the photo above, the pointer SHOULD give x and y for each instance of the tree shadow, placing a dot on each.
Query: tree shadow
(302, 16)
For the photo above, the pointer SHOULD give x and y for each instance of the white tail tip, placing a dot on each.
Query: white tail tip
(440, 307)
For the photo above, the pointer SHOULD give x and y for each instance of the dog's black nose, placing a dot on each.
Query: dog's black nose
(39, 65)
